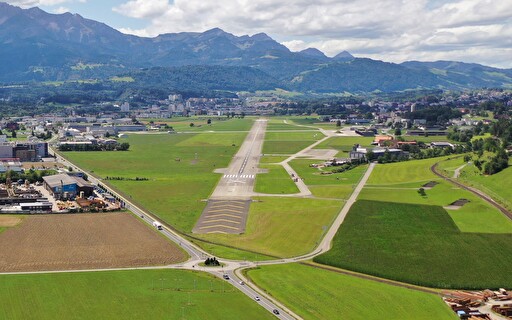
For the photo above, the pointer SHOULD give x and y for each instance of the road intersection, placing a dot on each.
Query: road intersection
(245, 162)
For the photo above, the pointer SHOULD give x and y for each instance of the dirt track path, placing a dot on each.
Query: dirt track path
(477, 192)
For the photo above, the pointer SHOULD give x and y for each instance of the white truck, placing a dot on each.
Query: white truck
(157, 225)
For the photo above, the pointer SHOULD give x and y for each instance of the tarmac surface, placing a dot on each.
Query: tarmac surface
(228, 206)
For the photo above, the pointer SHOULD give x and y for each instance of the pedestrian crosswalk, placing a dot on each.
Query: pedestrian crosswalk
(239, 176)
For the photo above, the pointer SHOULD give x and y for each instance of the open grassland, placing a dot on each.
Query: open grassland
(272, 159)
(336, 186)
(344, 144)
(276, 181)
(283, 227)
(135, 294)
(498, 186)
(179, 168)
(84, 241)
(289, 142)
(275, 124)
(421, 245)
(314, 293)
(426, 140)
(400, 182)
(201, 123)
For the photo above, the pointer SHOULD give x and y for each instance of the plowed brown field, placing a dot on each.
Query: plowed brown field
(83, 241)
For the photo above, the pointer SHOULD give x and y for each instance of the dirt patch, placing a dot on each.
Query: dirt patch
(430, 185)
(9, 221)
(457, 204)
(84, 241)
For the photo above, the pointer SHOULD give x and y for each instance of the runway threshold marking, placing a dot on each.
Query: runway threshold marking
(218, 226)
(221, 220)
(223, 215)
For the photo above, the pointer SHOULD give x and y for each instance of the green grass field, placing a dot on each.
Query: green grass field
(283, 227)
(314, 293)
(276, 181)
(136, 294)
(337, 186)
(289, 142)
(175, 188)
(201, 123)
(419, 244)
(345, 144)
(399, 182)
(276, 124)
(498, 186)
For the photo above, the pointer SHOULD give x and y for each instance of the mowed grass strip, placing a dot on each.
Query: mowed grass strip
(276, 181)
(315, 293)
(134, 294)
(179, 168)
(421, 245)
(344, 144)
(282, 227)
(201, 124)
(337, 185)
(289, 142)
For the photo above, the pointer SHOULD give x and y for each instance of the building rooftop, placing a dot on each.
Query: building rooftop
(59, 179)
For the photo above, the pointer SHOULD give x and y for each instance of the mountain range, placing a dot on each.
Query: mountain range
(39, 46)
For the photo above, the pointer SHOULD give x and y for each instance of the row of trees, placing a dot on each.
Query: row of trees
(30, 175)
(124, 146)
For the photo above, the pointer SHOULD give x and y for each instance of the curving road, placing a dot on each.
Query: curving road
(477, 192)
(233, 269)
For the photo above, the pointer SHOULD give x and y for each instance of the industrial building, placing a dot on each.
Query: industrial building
(63, 186)
(24, 150)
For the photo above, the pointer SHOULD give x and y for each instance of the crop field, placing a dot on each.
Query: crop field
(83, 241)
(283, 227)
(400, 182)
(276, 181)
(336, 186)
(289, 142)
(179, 168)
(320, 294)
(131, 294)
(421, 245)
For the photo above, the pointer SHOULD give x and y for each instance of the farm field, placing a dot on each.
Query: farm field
(337, 186)
(133, 294)
(276, 181)
(320, 294)
(179, 168)
(289, 142)
(84, 241)
(419, 244)
(282, 227)
(400, 182)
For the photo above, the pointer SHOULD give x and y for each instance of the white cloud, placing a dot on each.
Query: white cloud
(143, 8)
(60, 10)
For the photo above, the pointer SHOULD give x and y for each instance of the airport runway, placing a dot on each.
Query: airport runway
(229, 203)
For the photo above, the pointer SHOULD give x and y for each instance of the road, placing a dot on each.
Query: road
(245, 162)
(477, 192)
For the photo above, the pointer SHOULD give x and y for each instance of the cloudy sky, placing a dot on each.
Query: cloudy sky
(390, 30)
